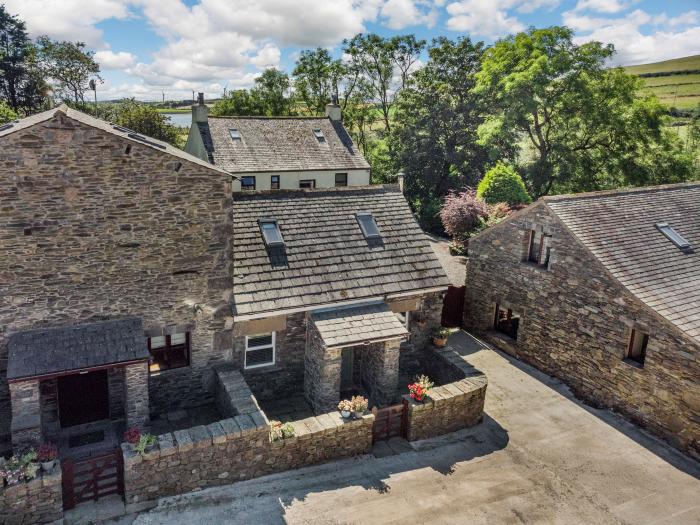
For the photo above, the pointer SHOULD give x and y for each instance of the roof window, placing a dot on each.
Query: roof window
(319, 135)
(368, 225)
(675, 237)
(235, 134)
(271, 232)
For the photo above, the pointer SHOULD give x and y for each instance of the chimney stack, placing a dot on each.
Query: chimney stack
(200, 111)
(333, 110)
(401, 176)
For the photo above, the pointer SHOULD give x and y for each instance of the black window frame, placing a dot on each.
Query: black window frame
(336, 180)
(312, 181)
(247, 187)
(274, 182)
(165, 360)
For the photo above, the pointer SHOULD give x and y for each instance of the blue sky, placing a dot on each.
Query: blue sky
(147, 47)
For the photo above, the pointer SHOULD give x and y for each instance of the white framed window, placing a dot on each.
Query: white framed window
(259, 350)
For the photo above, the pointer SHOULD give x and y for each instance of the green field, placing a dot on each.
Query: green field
(677, 84)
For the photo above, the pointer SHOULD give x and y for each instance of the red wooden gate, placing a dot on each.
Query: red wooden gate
(92, 478)
(389, 422)
(453, 306)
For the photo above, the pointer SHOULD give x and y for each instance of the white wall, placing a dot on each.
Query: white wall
(290, 179)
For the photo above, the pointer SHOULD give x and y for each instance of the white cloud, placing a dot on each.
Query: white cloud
(604, 6)
(530, 6)
(111, 60)
(488, 18)
(68, 19)
(400, 14)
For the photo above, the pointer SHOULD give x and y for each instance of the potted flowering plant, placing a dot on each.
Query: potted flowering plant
(18, 469)
(47, 454)
(419, 389)
(440, 336)
(279, 430)
(345, 407)
(145, 443)
(359, 406)
(132, 436)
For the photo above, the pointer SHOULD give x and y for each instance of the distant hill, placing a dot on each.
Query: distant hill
(676, 82)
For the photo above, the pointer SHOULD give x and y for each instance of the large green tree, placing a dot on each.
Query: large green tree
(434, 139)
(21, 84)
(7, 114)
(581, 124)
(68, 66)
(271, 91)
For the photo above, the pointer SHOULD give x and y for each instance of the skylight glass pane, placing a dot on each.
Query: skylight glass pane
(675, 237)
(235, 134)
(319, 135)
(368, 225)
(271, 233)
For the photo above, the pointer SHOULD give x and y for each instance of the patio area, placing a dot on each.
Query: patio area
(185, 418)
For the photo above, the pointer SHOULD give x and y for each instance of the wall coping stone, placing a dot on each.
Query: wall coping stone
(231, 428)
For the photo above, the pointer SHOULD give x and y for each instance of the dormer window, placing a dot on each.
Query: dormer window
(235, 134)
(271, 232)
(368, 226)
(319, 135)
(675, 237)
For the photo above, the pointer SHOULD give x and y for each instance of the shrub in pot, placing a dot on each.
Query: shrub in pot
(440, 336)
(345, 407)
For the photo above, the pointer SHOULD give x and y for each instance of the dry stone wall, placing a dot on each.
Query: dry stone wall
(575, 324)
(38, 501)
(90, 231)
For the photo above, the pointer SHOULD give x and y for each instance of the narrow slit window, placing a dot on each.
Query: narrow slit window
(675, 237)
(271, 232)
(637, 348)
(235, 134)
(319, 135)
(368, 226)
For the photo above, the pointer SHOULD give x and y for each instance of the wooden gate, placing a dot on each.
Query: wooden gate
(453, 306)
(93, 478)
(389, 422)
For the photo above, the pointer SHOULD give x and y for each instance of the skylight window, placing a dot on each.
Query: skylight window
(319, 135)
(368, 226)
(675, 237)
(235, 134)
(271, 232)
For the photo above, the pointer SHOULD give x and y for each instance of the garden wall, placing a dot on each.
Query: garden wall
(458, 403)
(38, 501)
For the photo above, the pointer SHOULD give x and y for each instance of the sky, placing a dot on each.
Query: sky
(150, 47)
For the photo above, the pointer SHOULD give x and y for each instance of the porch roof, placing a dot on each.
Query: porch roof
(357, 325)
(49, 351)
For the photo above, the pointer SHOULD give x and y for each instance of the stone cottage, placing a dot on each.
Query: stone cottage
(129, 276)
(114, 272)
(326, 286)
(269, 153)
(603, 291)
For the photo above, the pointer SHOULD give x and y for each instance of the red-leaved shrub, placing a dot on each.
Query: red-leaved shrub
(462, 213)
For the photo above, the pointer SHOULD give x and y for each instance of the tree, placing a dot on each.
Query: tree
(503, 184)
(434, 138)
(238, 102)
(68, 66)
(316, 78)
(20, 84)
(583, 122)
(271, 93)
(462, 214)
(7, 114)
(385, 64)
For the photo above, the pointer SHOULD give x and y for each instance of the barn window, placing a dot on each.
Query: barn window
(168, 352)
(506, 322)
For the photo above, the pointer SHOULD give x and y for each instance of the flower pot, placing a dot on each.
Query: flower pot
(47, 466)
(345, 414)
(357, 414)
(439, 341)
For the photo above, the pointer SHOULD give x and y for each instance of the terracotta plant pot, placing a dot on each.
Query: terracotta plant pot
(439, 341)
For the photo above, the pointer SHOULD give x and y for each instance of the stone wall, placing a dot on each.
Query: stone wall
(321, 372)
(90, 231)
(26, 413)
(233, 395)
(38, 501)
(453, 405)
(236, 449)
(422, 322)
(575, 324)
(379, 370)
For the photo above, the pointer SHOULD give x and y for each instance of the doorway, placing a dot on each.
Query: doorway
(346, 369)
(83, 398)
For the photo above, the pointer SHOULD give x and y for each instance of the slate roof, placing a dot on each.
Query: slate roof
(618, 228)
(356, 325)
(326, 258)
(89, 120)
(33, 353)
(270, 144)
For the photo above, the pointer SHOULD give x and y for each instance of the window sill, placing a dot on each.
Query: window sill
(633, 363)
(156, 373)
(262, 369)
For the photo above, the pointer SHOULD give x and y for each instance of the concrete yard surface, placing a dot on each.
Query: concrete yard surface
(540, 456)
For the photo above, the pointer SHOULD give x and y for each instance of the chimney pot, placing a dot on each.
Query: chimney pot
(200, 99)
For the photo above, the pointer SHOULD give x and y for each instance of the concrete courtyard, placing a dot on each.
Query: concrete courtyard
(540, 456)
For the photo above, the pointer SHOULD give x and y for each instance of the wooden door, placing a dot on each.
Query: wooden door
(346, 359)
(83, 398)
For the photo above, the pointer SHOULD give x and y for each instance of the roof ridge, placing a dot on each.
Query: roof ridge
(314, 191)
(620, 191)
(263, 117)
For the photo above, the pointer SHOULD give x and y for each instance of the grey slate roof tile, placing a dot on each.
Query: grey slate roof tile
(327, 257)
(45, 351)
(618, 228)
(348, 326)
(270, 144)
